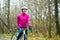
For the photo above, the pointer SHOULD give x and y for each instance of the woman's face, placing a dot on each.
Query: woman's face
(24, 10)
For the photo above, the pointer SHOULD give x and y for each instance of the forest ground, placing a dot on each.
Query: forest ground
(30, 37)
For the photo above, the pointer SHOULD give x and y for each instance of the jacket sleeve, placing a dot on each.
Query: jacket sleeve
(18, 19)
(29, 22)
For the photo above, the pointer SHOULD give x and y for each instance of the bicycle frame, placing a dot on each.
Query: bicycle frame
(16, 34)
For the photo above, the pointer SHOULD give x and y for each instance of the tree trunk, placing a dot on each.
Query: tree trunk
(8, 20)
(49, 12)
(56, 18)
(0, 12)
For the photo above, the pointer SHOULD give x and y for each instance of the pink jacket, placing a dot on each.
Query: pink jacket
(23, 20)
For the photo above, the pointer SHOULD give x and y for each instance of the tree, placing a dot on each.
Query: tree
(0, 12)
(8, 20)
(49, 12)
(56, 18)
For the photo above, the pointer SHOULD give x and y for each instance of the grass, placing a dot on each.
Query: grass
(33, 37)
(5, 35)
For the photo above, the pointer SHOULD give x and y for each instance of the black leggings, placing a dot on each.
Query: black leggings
(21, 33)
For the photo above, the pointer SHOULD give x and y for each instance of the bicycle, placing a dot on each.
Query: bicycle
(14, 35)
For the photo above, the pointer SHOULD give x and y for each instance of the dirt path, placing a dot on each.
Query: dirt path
(4, 39)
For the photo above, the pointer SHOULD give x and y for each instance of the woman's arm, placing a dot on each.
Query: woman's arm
(18, 19)
(29, 24)
(29, 20)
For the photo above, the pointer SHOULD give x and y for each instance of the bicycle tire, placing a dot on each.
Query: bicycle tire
(14, 36)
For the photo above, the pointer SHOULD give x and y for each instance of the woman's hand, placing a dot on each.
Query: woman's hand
(30, 28)
(18, 29)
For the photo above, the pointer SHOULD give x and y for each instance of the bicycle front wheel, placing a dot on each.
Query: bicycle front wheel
(14, 36)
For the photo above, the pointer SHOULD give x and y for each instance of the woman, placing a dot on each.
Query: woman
(23, 21)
